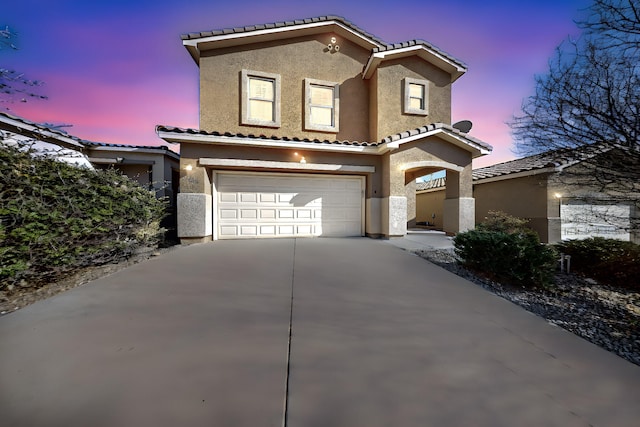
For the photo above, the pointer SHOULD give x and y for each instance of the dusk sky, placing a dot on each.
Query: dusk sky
(114, 69)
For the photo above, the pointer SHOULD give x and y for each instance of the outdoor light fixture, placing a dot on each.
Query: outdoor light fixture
(303, 160)
(333, 46)
(558, 196)
(188, 168)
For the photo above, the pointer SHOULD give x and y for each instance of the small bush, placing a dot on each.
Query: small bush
(609, 261)
(507, 251)
(55, 217)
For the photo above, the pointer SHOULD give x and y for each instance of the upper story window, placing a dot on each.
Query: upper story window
(322, 101)
(260, 99)
(416, 96)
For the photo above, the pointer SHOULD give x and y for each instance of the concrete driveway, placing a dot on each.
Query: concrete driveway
(378, 337)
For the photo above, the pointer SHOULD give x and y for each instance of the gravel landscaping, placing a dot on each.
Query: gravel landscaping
(603, 315)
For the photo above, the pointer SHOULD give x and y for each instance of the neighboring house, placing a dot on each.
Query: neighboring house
(315, 127)
(560, 197)
(153, 167)
(43, 140)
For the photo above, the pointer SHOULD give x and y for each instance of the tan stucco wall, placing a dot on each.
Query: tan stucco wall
(294, 60)
(526, 197)
(198, 180)
(428, 204)
(387, 117)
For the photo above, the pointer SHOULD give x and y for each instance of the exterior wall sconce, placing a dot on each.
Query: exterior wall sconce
(302, 159)
(188, 168)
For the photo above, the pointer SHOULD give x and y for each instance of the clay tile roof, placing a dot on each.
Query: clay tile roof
(147, 147)
(432, 127)
(343, 21)
(177, 130)
(431, 184)
(423, 43)
(550, 159)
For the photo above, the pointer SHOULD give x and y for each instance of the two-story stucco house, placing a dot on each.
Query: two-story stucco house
(315, 127)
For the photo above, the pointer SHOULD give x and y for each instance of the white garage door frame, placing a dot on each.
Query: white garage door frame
(289, 176)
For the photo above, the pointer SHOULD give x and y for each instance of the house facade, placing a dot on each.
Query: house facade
(556, 191)
(315, 127)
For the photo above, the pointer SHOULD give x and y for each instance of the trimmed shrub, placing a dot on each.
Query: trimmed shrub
(609, 261)
(507, 251)
(55, 217)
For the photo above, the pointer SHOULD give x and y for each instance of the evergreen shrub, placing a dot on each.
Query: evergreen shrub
(55, 217)
(609, 261)
(506, 250)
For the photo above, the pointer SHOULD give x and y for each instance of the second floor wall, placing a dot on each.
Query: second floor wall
(299, 87)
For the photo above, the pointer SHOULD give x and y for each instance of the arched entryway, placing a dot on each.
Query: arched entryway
(459, 206)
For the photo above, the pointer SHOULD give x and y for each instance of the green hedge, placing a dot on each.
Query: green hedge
(55, 217)
(609, 261)
(506, 250)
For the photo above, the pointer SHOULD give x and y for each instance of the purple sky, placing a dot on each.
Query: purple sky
(114, 69)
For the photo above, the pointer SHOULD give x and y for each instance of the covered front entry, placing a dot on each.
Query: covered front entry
(264, 205)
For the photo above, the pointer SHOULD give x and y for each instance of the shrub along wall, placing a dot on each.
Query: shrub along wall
(55, 217)
(609, 261)
(506, 250)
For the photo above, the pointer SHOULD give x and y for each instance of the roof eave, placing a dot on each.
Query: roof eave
(456, 70)
(197, 45)
(514, 175)
(134, 149)
(476, 148)
(43, 133)
(179, 137)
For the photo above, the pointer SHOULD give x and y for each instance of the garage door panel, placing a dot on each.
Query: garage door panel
(267, 213)
(228, 197)
(267, 198)
(228, 231)
(263, 205)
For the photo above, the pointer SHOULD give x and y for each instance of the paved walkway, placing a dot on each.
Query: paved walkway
(379, 337)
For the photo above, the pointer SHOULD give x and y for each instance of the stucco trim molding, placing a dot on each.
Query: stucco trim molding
(431, 164)
(291, 166)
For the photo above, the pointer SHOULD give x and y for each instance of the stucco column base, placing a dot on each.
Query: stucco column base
(194, 217)
(394, 220)
(459, 215)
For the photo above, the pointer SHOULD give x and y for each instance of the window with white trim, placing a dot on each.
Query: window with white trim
(322, 101)
(416, 96)
(260, 99)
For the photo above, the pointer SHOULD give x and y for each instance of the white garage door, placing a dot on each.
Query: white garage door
(288, 205)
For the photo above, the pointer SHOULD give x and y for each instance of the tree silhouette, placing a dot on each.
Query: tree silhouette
(13, 84)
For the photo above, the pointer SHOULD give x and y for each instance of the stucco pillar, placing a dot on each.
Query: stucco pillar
(394, 200)
(458, 215)
(394, 216)
(194, 204)
(459, 204)
(410, 194)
